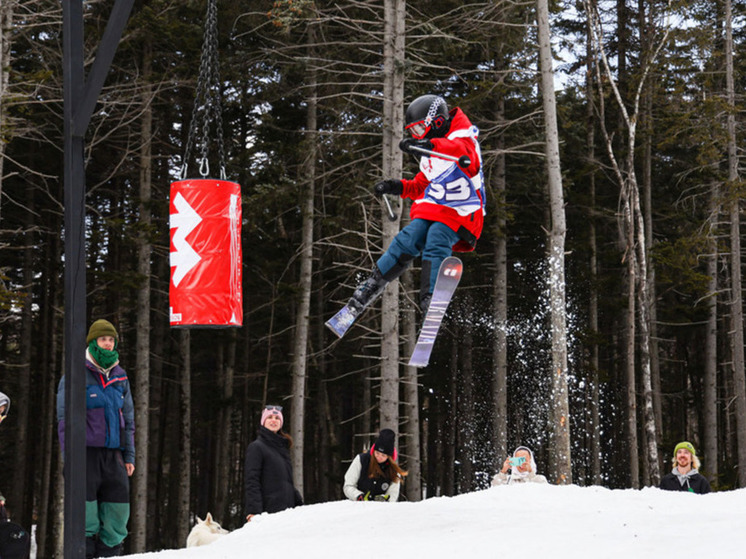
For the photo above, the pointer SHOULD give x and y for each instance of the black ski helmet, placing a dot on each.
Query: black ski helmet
(427, 117)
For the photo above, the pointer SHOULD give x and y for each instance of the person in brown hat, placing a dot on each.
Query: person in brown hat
(685, 475)
(375, 475)
(110, 441)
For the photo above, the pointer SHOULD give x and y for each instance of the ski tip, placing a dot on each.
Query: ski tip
(333, 329)
(418, 364)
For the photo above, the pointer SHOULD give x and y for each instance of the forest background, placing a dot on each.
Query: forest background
(650, 129)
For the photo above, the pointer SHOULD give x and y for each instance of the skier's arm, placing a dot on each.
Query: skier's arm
(458, 147)
(414, 188)
(351, 477)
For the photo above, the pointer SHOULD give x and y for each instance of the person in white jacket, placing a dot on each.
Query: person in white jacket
(375, 475)
(4, 406)
(522, 468)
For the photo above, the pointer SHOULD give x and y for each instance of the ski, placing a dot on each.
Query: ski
(341, 322)
(449, 275)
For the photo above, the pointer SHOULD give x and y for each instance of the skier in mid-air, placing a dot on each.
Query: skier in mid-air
(448, 209)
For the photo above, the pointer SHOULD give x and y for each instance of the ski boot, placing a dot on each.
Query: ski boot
(367, 292)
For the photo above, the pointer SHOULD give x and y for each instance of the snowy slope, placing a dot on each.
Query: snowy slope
(519, 520)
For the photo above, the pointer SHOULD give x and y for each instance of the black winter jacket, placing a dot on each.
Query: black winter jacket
(695, 483)
(268, 475)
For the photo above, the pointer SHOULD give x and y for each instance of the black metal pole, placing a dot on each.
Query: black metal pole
(79, 98)
(75, 285)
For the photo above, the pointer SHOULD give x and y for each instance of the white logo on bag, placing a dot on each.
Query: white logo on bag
(184, 220)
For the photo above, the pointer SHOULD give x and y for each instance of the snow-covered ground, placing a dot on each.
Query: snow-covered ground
(513, 521)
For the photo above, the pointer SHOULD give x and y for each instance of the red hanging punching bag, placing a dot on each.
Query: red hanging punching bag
(205, 223)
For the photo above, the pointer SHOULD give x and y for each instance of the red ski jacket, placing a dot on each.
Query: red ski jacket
(444, 192)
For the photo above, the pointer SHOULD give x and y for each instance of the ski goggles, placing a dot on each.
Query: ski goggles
(418, 129)
(273, 408)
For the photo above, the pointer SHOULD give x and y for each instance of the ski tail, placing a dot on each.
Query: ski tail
(449, 276)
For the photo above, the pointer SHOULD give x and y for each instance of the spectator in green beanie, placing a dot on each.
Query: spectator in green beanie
(685, 475)
(110, 441)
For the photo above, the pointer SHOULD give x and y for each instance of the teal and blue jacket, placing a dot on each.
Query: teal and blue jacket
(110, 413)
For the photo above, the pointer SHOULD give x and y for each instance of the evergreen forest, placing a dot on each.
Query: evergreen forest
(649, 109)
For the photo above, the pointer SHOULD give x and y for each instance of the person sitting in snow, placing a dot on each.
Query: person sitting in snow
(522, 468)
(375, 475)
(684, 476)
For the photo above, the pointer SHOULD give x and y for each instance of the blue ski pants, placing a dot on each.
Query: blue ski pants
(431, 238)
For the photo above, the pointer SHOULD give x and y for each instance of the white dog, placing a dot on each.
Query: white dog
(205, 531)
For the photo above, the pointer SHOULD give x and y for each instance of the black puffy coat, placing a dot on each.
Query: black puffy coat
(268, 475)
(696, 483)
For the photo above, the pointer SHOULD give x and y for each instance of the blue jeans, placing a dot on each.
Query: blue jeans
(431, 238)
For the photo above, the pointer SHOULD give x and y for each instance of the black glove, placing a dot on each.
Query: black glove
(382, 498)
(407, 143)
(391, 186)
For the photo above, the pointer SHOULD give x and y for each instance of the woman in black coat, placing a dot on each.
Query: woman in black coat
(268, 473)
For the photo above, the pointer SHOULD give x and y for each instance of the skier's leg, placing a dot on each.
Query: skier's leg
(367, 291)
(438, 247)
(407, 244)
(403, 249)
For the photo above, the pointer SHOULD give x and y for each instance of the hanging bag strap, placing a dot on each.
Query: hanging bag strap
(207, 101)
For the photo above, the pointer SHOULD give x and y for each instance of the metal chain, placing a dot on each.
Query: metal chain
(207, 100)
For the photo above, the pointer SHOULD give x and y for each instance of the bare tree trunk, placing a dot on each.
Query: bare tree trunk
(739, 381)
(629, 359)
(58, 505)
(393, 121)
(19, 492)
(468, 443)
(223, 445)
(595, 415)
(411, 402)
(183, 508)
(300, 351)
(647, 189)
(560, 399)
(6, 33)
(644, 305)
(500, 302)
(634, 228)
(450, 437)
(50, 451)
(142, 366)
(709, 403)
